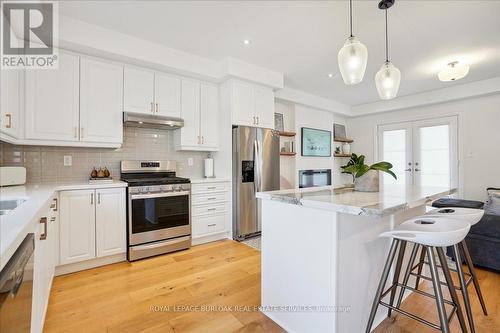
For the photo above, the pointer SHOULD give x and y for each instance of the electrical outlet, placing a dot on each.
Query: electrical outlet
(68, 160)
(190, 161)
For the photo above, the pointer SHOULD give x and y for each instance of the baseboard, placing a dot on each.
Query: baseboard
(210, 238)
(92, 263)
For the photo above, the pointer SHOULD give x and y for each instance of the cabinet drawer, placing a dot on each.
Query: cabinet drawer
(209, 187)
(209, 224)
(210, 209)
(201, 199)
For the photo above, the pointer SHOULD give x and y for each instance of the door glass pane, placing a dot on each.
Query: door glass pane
(434, 156)
(394, 151)
(159, 213)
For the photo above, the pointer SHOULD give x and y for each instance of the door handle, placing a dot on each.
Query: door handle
(43, 221)
(257, 120)
(91, 198)
(9, 117)
(409, 169)
(417, 169)
(157, 107)
(99, 198)
(152, 108)
(76, 132)
(81, 132)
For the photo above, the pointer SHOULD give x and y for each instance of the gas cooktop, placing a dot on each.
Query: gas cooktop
(147, 173)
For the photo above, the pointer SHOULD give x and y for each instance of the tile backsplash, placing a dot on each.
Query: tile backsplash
(46, 164)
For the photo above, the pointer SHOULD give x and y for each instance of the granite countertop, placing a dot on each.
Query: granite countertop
(16, 224)
(390, 199)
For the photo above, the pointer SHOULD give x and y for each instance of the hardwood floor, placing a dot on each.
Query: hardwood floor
(140, 296)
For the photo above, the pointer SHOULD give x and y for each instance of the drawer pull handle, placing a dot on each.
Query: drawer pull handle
(43, 221)
(211, 209)
(52, 219)
(213, 198)
(53, 206)
(211, 188)
(212, 225)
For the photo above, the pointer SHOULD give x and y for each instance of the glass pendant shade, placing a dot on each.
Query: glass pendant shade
(453, 72)
(352, 59)
(387, 81)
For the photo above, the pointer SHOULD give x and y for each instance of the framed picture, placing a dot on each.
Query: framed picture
(278, 122)
(339, 131)
(316, 142)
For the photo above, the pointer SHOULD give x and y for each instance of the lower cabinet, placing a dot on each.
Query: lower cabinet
(46, 255)
(93, 224)
(210, 211)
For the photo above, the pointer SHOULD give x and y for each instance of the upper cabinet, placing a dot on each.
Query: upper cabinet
(151, 92)
(52, 101)
(78, 104)
(101, 101)
(251, 105)
(200, 112)
(10, 102)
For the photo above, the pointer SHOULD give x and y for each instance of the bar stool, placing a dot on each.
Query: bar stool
(472, 216)
(432, 234)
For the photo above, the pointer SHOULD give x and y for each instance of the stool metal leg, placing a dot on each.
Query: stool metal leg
(420, 266)
(463, 287)
(470, 265)
(383, 280)
(397, 272)
(451, 289)
(437, 290)
(407, 273)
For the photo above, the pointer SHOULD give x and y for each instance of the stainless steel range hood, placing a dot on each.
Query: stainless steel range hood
(151, 121)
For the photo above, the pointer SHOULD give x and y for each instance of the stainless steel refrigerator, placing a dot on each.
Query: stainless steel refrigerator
(256, 168)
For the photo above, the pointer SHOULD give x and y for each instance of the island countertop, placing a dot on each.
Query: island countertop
(389, 200)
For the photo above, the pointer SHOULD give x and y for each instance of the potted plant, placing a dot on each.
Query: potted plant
(366, 177)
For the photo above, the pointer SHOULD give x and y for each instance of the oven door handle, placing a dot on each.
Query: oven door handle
(158, 195)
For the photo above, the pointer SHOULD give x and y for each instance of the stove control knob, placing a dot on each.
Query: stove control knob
(177, 188)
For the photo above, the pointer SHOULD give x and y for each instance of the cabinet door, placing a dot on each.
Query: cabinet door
(243, 104)
(138, 89)
(111, 221)
(77, 226)
(167, 95)
(101, 101)
(190, 133)
(10, 102)
(40, 278)
(264, 107)
(209, 115)
(52, 107)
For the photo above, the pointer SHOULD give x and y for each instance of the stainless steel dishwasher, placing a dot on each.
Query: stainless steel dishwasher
(16, 289)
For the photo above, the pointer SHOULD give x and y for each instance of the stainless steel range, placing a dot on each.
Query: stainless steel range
(158, 208)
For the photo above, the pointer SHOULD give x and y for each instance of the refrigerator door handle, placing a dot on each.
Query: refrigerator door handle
(255, 167)
(259, 166)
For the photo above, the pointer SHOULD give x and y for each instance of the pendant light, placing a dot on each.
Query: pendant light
(388, 77)
(352, 57)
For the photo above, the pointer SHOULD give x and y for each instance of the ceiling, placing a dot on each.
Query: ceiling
(301, 38)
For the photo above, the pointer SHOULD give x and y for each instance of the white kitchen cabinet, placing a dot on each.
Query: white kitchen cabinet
(251, 105)
(200, 111)
(101, 101)
(77, 226)
(93, 224)
(52, 101)
(43, 270)
(151, 92)
(167, 95)
(210, 211)
(138, 89)
(110, 222)
(10, 102)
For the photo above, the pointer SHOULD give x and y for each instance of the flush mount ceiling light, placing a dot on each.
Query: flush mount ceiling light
(453, 71)
(247, 42)
(388, 77)
(330, 75)
(352, 57)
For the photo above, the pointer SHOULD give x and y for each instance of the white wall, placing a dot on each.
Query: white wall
(478, 138)
(314, 118)
(287, 163)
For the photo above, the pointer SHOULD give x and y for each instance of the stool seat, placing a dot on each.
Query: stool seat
(471, 215)
(430, 231)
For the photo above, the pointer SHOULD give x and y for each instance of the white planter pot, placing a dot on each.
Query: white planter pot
(369, 182)
(346, 148)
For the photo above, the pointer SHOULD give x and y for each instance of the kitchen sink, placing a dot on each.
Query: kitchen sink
(10, 204)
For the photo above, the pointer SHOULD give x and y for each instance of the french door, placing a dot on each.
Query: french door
(422, 152)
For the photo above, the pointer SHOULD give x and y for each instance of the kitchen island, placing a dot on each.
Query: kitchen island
(321, 254)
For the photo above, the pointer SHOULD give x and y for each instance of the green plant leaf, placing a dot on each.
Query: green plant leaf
(361, 159)
(391, 173)
(381, 166)
(362, 170)
(352, 169)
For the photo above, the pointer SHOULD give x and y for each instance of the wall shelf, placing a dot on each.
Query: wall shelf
(289, 134)
(287, 153)
(342, 155)
(343, 140)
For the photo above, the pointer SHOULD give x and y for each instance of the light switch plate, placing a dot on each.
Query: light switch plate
(190, 161)
(68, 160)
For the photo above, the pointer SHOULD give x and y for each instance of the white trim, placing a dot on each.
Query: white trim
(92, 263)
(210, 238)
(313, 101)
